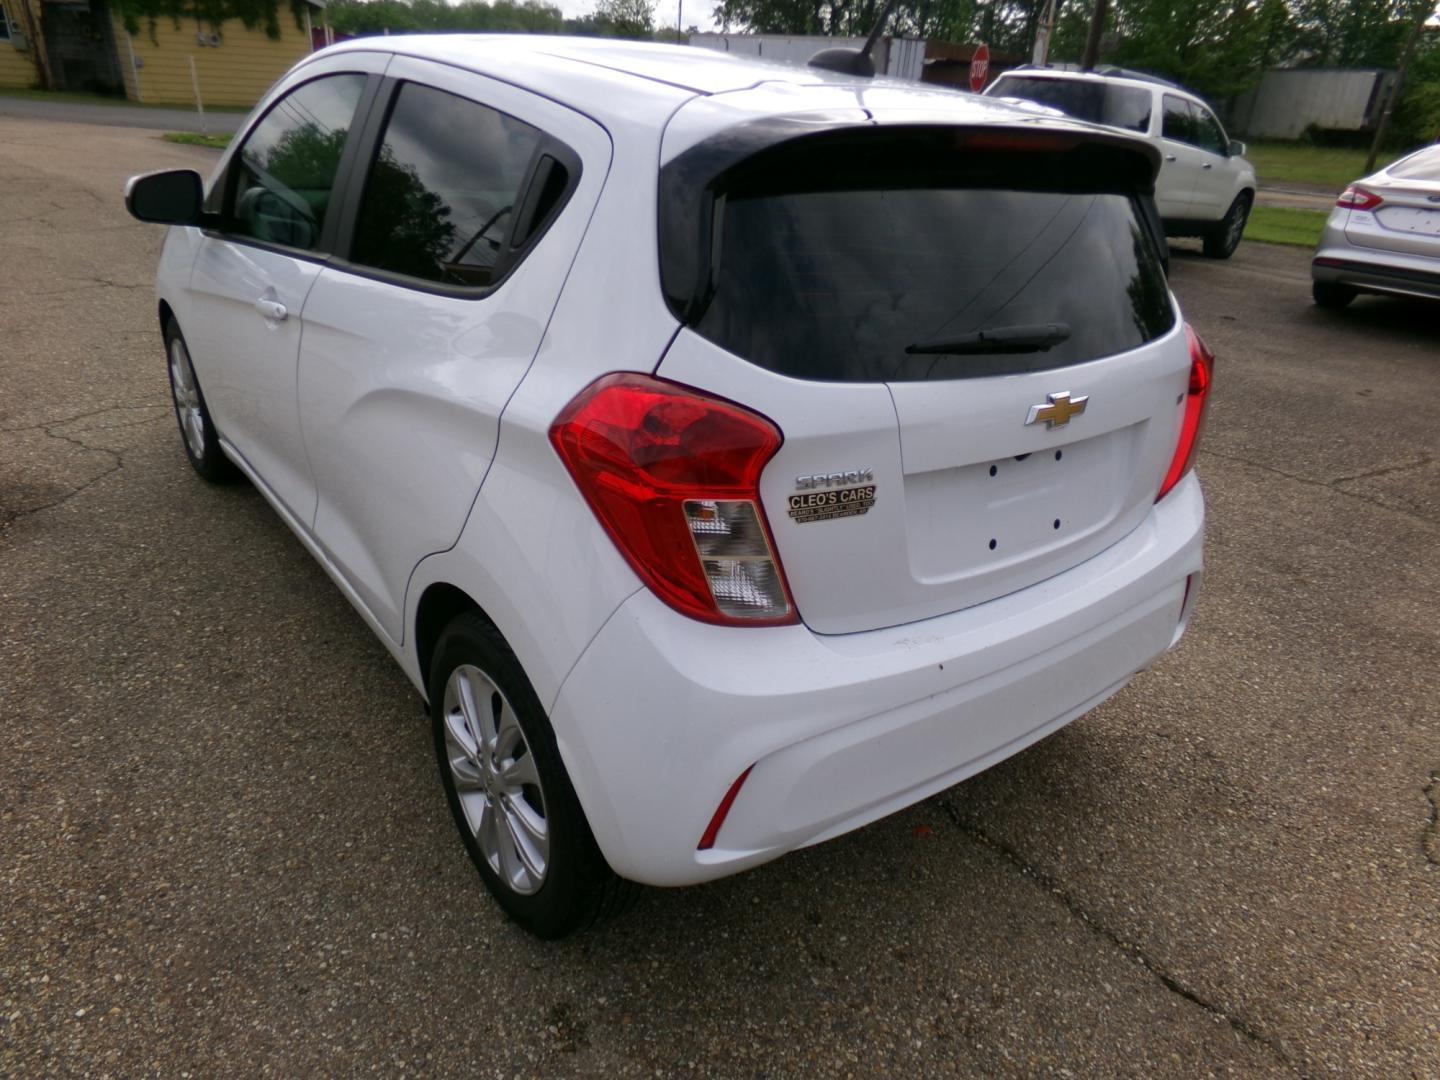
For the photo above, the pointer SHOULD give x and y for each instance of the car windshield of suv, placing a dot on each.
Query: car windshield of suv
(876, 271)
(1084, 99)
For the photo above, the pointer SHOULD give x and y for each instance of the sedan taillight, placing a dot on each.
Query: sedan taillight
(1357, 198)
(674, 477)
(1202, 368)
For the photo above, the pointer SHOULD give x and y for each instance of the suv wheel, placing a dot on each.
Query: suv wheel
(1222, 238)
(508, 790)
(1327, 294)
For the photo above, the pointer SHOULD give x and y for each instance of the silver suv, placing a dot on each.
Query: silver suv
(1205, 187)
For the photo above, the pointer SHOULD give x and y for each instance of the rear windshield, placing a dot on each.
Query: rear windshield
(889, 274)
(1084, 99)
(1424, 165)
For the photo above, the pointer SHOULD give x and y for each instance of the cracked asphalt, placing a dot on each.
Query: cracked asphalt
(224, 850)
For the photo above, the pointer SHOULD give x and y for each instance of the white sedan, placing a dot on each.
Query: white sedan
(1383, 235)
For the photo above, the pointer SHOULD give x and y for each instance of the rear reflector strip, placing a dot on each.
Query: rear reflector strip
(708, 840)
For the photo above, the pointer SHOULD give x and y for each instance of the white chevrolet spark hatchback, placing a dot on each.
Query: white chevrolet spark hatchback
(731, 454)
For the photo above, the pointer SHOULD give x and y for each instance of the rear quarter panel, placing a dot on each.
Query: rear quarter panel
(532, 555)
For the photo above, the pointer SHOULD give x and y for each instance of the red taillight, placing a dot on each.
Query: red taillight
(707, 840)
(674, 477)
(1357, 198)
(1202, 368)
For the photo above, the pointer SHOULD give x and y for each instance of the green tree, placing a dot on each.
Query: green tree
(1417, 113)
(264, 14)
(428, 16)
(626, 18)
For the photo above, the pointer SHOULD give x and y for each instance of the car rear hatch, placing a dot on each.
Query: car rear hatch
(964, 335)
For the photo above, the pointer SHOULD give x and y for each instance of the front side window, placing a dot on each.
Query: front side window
(287, 165)
(1179, 120)
(1209, 135)
(444, 189)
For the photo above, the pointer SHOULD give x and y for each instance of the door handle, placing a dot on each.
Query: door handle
(271, 309)
(1169, 157)
(1207, 165)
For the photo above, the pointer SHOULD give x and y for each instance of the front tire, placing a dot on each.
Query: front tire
(508, 790)
(1223, 237)
(197, 429)
(1331, 296)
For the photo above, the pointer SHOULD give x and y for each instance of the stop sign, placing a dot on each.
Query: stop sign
(979, 68)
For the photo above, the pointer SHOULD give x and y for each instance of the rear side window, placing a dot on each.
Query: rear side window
(1179, 120)
(1424, 165)
(1084, 99)
(441, 196)
(285, 171)
(887, 269)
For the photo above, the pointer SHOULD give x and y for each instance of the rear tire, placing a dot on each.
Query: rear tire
(1222, 238)
(509, 793)
(197, 430)
(1331, 296)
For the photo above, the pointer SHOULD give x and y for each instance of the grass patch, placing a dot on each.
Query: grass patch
(194, 138)
(1282, 225)
(108, 99)
(1330, 166)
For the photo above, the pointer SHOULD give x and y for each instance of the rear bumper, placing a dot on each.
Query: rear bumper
(1340, 261)
(662, 713)
(1375, 277)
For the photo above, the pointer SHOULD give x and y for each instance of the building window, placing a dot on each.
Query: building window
(4, 24)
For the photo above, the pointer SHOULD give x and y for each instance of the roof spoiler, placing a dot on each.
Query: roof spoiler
(854, 61)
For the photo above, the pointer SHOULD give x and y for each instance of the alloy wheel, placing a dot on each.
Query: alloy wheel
(496, 780)
(187, 398)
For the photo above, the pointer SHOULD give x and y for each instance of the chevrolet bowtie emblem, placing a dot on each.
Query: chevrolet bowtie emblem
(1058, 409)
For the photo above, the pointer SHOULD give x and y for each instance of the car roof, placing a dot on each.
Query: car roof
(579, 71)
(588, 62)
(623, 84)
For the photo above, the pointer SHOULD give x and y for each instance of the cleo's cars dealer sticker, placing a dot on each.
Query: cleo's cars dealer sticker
(827, 505)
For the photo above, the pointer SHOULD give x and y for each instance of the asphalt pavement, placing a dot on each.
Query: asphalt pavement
(224, 848)
(105, 113)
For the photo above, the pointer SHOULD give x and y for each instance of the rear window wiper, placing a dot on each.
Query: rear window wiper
(1026, 338)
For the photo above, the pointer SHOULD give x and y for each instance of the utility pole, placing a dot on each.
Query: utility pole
(1092, 41)
(1423, 10)
(1044, 32)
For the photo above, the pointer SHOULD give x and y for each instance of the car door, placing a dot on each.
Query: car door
(475, 198)
(251, 275)
(1180, 167)
(1215, 180)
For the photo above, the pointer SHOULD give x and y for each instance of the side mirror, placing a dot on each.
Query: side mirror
(173, 197)
(1237, 148)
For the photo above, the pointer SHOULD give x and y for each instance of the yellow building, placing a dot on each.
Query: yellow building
(85, 47)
